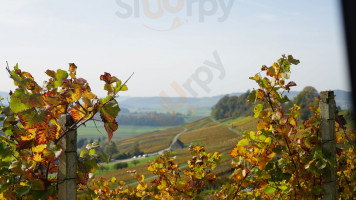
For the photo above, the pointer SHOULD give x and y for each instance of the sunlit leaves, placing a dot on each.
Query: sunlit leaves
(31, 129)
(258, 108)
(15, 103)
(108, 78)
(59, 75)
(32, 118)
(72, 70)
(110, 128)
(22, 101)
(109, 110)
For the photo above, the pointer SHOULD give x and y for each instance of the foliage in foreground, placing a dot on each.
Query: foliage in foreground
(281, 160)
(30, 145)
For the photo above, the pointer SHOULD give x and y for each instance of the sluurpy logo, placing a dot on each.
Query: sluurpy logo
(177, 10)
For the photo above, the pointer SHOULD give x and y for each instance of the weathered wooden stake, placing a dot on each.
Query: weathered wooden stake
(327, 108)
(67, 187)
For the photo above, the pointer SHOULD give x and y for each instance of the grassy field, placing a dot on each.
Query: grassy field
(123, 132)
(150, 142)
(242, 123)
(212, 135)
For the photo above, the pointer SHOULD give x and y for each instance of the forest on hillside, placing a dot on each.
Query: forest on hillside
(238, 106)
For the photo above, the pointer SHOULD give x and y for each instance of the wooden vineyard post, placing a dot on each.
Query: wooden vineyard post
(67, 163)
(327, 111)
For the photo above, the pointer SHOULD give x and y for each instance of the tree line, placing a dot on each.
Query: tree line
(236, 106)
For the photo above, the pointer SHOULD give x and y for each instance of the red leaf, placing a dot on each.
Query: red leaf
(108, 78)
(32, 118)
(77, 113)
(110, 128)
(290, 84)
(41, 137)
(52, 131)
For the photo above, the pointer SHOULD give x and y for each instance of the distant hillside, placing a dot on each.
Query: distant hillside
(231, 106)
(199, 106)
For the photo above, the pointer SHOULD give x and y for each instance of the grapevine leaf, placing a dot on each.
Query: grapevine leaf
(33, 118)
(109, 111)
(41, 137)
(243, 142)
(110, 128)
(252, 96)
(292, 60)
(270, 190)
(292, 121)
(108, 78)
(72, 70)
(59, 76)
(36, 101)
(51, 73)
(234, 152)
(78, 113)
(16, 104)
(120, 87)
(22, 191)
(271, 72)
(256, 78)
(258, 108)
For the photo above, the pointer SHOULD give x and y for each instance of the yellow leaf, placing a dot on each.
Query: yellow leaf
(268, 140)
(38, 148)
(256, 77)
(252, 135)
(113, 179)
(141, 186)
(37, 157)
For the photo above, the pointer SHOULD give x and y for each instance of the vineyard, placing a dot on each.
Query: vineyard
(276, 156)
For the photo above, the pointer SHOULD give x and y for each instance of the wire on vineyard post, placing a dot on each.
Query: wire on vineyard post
(67, 166)
(327, 108)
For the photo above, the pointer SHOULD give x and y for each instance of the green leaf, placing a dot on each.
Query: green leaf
(104, 157)
(91, 152)
(120, 87)
(278, 149)
(286, 176)
(270, 190)
(292, 60)
(83, 152)
(34, 119)
(109, 111)
(17, 99)
(59, 76)
(284, 99)
(21, 191)
(252, 96)
(284, 187)
(258, 108)
(243, 142)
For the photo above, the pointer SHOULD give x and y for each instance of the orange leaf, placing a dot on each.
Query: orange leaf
(292, 121)
(41, 137)
(234, 152)
(77, 113)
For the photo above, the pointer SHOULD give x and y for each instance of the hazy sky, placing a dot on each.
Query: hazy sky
(121, 37)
